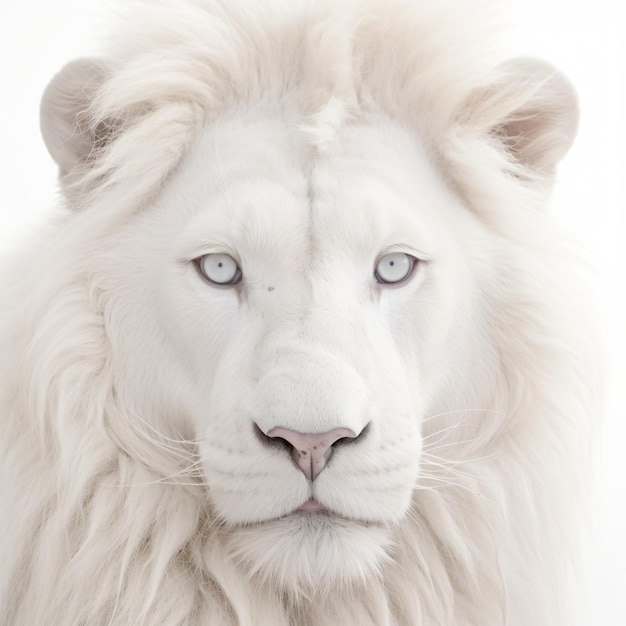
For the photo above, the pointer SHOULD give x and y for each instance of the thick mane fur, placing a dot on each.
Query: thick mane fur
(103, 521)
(305, 55)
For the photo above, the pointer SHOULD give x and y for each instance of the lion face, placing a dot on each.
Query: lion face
(309, 304)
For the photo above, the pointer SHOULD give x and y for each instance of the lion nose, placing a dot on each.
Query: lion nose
(311, 451)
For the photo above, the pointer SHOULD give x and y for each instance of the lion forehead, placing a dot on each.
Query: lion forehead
(256, 180)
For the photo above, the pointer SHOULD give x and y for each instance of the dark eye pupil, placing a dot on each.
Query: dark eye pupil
(392, 263)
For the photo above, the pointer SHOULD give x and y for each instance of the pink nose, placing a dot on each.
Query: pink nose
(311, 451)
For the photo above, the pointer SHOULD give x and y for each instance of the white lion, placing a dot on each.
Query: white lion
(306, 348)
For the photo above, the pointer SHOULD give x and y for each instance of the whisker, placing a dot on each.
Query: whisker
(448, 428)
(189, 471)
(441, 471)
(448, 483)
(431, 417)
(437, 446)
(469, 461)
(161, 481)
(162, 436)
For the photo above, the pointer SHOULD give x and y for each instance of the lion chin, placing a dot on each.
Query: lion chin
(310, 554)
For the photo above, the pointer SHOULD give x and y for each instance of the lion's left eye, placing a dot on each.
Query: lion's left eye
(394, 268)
(220, 269)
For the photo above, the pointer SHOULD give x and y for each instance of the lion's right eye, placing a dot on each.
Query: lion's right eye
(394, 268)
(219, 269)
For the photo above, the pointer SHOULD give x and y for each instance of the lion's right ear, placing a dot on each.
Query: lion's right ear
(65, 124)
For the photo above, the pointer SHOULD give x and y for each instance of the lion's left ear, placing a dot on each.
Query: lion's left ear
(532, 110)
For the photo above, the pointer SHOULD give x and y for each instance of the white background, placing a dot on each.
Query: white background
(582, 38)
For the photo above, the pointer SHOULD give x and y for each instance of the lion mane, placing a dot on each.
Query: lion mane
(108, 518)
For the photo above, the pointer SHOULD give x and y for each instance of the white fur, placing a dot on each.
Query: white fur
(306, 139)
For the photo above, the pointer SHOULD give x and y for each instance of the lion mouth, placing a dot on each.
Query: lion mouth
(312, 506)
(311, 515)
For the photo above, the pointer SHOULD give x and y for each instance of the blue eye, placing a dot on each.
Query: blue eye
(220, 269)
(394, 268)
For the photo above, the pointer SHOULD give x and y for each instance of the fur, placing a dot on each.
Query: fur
(308, 137)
